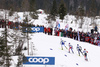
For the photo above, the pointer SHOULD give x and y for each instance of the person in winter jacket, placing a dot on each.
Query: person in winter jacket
(45, 30)
(85, 54)
(87, 39)
(92, 40)
(55, 31)
(70, 48)
(75, 35)
(63, 44)
(79, 49)
(49, 31)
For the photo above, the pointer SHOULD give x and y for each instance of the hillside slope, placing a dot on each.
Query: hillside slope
(44, 43)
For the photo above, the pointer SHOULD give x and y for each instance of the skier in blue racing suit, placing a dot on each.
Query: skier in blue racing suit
(63, 44)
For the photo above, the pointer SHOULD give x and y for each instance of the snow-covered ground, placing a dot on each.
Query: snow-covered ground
(44, 43)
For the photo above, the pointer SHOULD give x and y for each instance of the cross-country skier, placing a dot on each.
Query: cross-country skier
(85, 54)
(63, 44)
(70, 48)
(79, 49)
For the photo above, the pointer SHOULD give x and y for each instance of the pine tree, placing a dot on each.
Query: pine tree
(54, 9)
(4, 46)
(93, 9)
(2, 51)
(32, 5)
(62, 10)
(46, 5)
(25, 5)
(81, 13)
(20, 60)
(34, 15)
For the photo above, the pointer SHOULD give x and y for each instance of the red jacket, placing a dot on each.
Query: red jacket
(58, 33)
(9, 23)
(87, 39)
(92, 41)
(49, 30)
(45, 29)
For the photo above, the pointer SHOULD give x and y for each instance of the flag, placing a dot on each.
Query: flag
(66, 27)
(57, 22)
(58, 26)
(20, 18)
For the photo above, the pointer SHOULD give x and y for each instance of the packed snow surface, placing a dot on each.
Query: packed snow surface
(44, 43)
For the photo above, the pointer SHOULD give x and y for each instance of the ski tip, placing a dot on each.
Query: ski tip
(86, 59)
(51, 49)
(66, 55)
(76, 63)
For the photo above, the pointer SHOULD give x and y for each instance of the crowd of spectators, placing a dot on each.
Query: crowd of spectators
(9, 24)
(14, 25)
(93, 38)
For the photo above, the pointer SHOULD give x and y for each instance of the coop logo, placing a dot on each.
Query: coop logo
(39, 60)
(35, 29)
